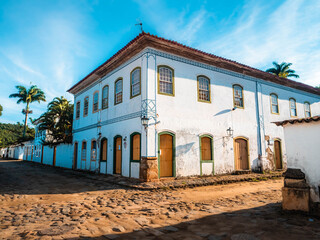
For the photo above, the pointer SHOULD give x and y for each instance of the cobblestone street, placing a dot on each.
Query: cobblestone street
(39, 202)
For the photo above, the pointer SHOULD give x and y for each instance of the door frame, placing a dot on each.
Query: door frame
(173, 152)
(248, 151)
(114, 154)
(274, 154)
(212, 153)
(101, 149)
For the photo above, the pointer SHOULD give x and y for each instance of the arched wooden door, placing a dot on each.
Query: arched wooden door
(104, 149)
(241, 154)
(166, 155)
(278, 154)
(117, 155)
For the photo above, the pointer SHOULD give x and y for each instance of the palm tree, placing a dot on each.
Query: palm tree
(33, 94)
(57, 121)
(282, 70)
(1, 109)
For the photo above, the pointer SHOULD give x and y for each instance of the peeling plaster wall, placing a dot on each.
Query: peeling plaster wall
(303, 151)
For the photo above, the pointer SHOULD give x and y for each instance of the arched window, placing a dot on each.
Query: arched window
(135, 82)
(85, 106)
(78, 110)
(105, 96)
(206, 148)
(238, 96)
(135, 147)
(307, 110)
(95, 101)
(293, 107)
(274, 103)
(93, 150)
(118, 91)
(165, 80)
(203, 89)
(84, 151)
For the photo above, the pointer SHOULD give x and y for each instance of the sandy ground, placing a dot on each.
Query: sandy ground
(38, 202)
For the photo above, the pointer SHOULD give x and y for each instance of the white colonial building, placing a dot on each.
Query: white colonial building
(183, 112)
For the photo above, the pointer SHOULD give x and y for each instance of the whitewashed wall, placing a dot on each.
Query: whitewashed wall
(187, 118)
(64, 155)
(303, 151)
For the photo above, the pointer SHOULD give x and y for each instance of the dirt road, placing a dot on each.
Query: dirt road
(38, 202)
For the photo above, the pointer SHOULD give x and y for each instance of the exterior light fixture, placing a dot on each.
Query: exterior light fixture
(230, 132)
(144, 121)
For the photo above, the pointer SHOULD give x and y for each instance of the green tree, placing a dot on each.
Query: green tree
(1, 109)
(57, 120)
(28, 96)
(282, 70)
(12, 134)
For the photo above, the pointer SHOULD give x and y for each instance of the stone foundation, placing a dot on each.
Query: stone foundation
(149, 169)
(296, 192)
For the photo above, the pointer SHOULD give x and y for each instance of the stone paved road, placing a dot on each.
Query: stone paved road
(39, 202)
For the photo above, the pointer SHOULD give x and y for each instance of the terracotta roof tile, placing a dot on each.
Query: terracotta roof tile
(298, 120)
(213, 60)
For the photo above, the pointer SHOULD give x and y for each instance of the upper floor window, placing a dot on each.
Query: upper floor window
(95, 101)
(105, 96)
(274, 103)
(86, 106)
(93, 150)
(78, 110)
(238, 96)
(293, 107)
(135, 82)
(203, 89)
(165, 80)
(84, 151)
(307, 110)
(118, 91)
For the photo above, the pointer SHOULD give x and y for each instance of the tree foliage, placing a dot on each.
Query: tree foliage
(1, 109)
(57, 120)
(11, 134)
(282, 70)
(33, 94)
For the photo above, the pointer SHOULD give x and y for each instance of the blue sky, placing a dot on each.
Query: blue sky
(54, 44)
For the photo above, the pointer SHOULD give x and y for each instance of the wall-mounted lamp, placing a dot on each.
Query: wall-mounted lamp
(144, 121)
(229, 132)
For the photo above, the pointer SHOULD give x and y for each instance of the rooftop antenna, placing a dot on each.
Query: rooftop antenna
(139, 24)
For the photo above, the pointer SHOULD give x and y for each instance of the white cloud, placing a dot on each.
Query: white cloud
(291, 33)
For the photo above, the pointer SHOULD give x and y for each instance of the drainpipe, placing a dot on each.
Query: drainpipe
(259, 129)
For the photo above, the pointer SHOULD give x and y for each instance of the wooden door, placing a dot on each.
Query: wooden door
(54, 155)
(277, 154)
(241, 154)
(118, 155)
(104, 145)
(166, 155)
(75, 156)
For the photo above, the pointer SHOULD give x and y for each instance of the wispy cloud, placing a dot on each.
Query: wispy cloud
(180, 25)
(289, 33)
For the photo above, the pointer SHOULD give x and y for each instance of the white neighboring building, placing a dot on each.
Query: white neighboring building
(206, 114)
(303, 150)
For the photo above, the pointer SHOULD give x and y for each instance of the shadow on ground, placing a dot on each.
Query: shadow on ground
(266, 222)
(22, 177)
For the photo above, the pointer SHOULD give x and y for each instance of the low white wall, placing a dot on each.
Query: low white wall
(64, 155)
(303, 151)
